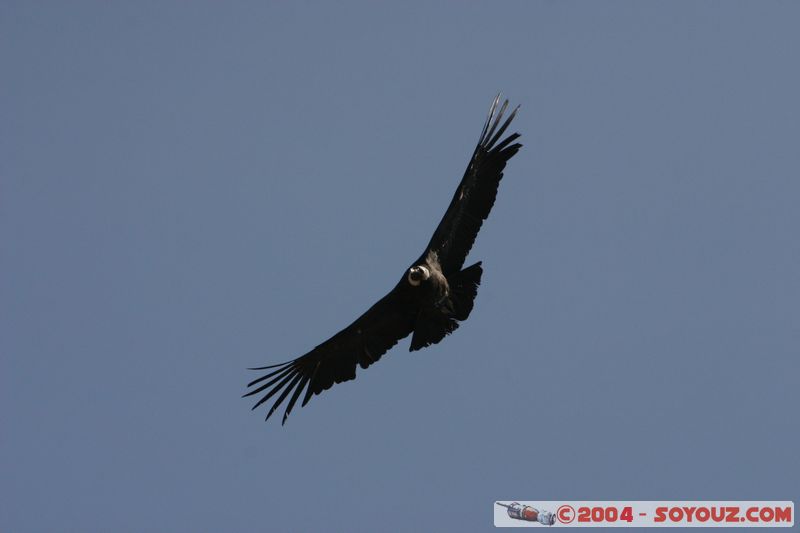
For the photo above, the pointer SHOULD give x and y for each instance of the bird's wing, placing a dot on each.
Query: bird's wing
(474, 197)
(363, 342)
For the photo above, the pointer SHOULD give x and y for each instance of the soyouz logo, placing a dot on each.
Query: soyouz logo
(530, 514)
(644, 514)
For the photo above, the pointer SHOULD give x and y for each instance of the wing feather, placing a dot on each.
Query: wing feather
(362, 343)
(283, 396)
(285, 378)
(475, 195)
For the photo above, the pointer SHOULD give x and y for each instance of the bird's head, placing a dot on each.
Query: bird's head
(418, 274)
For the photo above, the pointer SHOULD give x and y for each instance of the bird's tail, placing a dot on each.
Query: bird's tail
(463, 289)
(432, 325)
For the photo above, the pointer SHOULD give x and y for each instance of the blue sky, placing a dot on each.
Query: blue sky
(187, 190)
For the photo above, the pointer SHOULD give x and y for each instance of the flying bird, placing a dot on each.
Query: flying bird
(433, 295)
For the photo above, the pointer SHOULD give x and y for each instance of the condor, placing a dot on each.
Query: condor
(433, 295)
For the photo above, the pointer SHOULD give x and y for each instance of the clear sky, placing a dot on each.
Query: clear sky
(190, 189)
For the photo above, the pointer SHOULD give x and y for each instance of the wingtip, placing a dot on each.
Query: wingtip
(307, 397)
(268, 366)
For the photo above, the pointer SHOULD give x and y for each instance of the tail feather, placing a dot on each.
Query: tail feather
(432, 326)
(463, 289)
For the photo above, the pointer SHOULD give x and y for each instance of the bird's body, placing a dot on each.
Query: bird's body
(433, 295)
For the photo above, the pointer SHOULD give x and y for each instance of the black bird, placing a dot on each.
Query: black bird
(430, 299)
